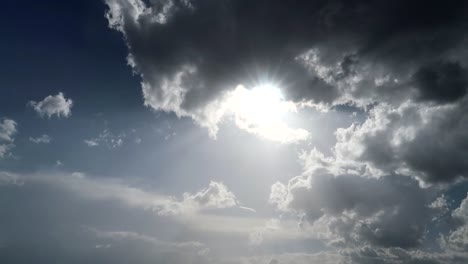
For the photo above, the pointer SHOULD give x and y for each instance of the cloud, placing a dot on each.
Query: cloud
(112, 140)
(441, 81)
(385, 212)
(10, 179)
(53, 105)
(186, 71)
(128, 235)
(191, 55)
(42, 139)
(191, 76)
(418, 140)
(457, 240)
(7, 132)
(106, 137)
(386, 219)
(215, 196)
(91, 142)
(372, 220)
(7, 129)
(369, 255)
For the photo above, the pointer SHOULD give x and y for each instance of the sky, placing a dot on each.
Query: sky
(234, 132)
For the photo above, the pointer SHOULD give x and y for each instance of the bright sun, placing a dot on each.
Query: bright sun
(262, 110)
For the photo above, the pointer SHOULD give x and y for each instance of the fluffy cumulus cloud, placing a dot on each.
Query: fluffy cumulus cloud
(53, 105)
(7, 133)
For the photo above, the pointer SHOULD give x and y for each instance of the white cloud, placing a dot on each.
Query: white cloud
(42, 139)
(7, 129)
(53, 105)
(7, 133)
(91, 142)
(216, 195)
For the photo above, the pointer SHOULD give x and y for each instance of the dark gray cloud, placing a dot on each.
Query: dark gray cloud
(385, 212)
(441, 81)
(230, 42)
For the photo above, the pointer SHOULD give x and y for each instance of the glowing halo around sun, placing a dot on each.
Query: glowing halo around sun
(262, 111)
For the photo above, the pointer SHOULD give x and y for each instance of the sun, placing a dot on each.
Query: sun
(263, 110)
(262, 104)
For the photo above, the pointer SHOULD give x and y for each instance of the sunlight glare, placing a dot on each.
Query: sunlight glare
(262, 110)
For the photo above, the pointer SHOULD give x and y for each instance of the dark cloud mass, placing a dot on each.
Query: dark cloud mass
(441, 81)
(386, 212)
(226, 41)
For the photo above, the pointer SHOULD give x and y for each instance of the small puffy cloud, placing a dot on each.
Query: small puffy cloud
(216, 195)
(53, 105)
(91, 142)
(45, 139)
(7, 132)
(7, 129)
